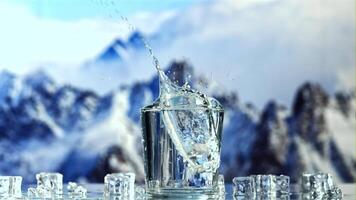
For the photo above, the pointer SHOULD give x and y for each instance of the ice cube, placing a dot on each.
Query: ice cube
(334, 194)
(32, 193)
(282, 184)
(49, 184)
(140, 193)
(121, 185)
(10, 186)
(243, 186)
(320, 186)
(71, 186)
(328, 183)
(306, 183)
(76, 191)
(221, 184)
(268, 184)
(4, 186)
(256, 183)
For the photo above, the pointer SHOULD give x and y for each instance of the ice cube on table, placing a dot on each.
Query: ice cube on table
(32, 193)
(221, 184)
(320, 182)
(49, 184)
(320, 186)
(243, 186)
(4, 186)
(10, 186)
(140, 193)
(334, 194)
(120, 185)
(267, 184)
(261, 186)
(305, 182)
(76, 191)
(282, 185)
(328, 183)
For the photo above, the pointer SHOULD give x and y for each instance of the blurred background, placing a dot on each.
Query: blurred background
(74, 75)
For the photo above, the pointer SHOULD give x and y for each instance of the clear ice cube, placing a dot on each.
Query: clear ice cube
(10, 186)
(76, 191)
(334, 194)
(261, 186)
(194, 135)
(120, 185)
(282, 184)
(140, 193)
(306, 182)
(318, 183)
(320, 186)
(32, 193)
(328, 183)
(49, 184)
(4, 186)
(221, 184)
(243, 186)
(268, 184)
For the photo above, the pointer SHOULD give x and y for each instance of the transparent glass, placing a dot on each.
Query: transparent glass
(181, 151)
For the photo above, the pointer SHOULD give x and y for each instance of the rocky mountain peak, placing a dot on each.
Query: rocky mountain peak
(344, 102)
(273, 137)
(310, 98)
(309, 117)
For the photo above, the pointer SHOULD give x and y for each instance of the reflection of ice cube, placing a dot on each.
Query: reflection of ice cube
(76, 191)
(10, 186)
(49, 184)
(120, 185)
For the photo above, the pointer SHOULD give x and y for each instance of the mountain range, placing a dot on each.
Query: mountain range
(47, 126)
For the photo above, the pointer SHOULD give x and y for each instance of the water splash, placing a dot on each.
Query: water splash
(198, 142)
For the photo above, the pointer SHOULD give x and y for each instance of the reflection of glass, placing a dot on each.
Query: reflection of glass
(188, 163)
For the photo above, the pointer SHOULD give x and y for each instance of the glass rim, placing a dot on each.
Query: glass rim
(155, 109)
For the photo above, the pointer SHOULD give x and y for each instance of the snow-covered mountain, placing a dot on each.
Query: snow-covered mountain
(45, 126)
(48, 127)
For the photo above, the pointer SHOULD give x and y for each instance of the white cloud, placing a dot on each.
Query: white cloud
(266, 49)
(346, 79)
(27, 40)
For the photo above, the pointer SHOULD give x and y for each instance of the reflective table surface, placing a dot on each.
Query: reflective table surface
(95, 191)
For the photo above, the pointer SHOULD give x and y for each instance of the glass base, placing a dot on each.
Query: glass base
(179, 193)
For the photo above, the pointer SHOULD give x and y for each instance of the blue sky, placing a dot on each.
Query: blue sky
(79, 9)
